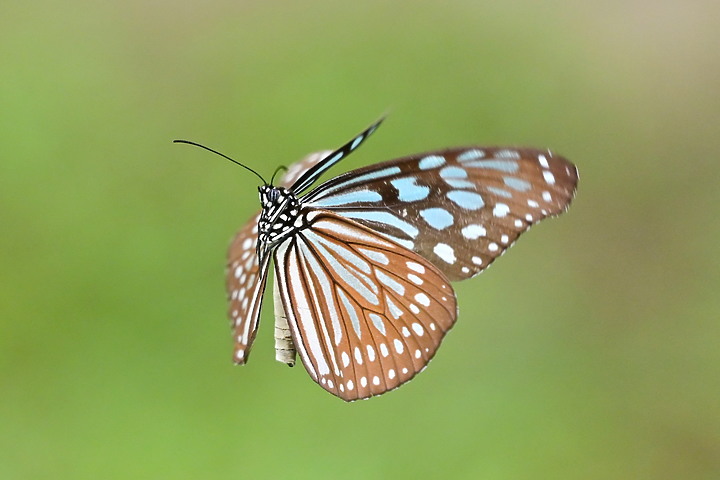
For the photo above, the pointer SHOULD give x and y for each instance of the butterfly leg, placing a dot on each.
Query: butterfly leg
(284, 346)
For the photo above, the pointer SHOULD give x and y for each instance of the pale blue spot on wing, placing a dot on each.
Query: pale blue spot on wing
(377, 321)
(453, 172)
(454, 176)
(466, 200)
(431, 161)
(367, 177)
(394, 310)
(351, 310)
(457, 183)
(470, 155)
(343, 251)
(500, 192)
(390, 282)
(408, 190)
(517, 184)
(347, 198)
(356, 142)
(359, 282)
(326, 288)
(386, 218)
(438, 218)
(374, 255)
(510, 166)
(507, 154)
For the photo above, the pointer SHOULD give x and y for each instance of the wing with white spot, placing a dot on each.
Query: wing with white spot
(245, 286)
(245, 276)
(365, 313)
(460, 208)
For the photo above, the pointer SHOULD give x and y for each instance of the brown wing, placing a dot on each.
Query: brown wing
(460, 208)
(366, 314)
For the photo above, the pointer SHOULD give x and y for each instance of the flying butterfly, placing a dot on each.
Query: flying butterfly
(363, 262)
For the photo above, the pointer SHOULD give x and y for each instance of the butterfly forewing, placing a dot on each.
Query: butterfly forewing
(309, 177)
(459, 208)
(366, 314)
(245, 279)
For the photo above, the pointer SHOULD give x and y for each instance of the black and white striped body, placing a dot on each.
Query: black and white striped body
(280, 210)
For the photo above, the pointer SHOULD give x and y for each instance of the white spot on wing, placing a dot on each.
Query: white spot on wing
(501, 210)
(422, 299)
(371, 353)
(416, 267)
(445, 252)
(473, 231)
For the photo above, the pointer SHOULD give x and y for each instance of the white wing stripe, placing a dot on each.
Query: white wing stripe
(326, 289)
(384, 217)
(287, 261)
(356, 280)
(317, 300)
(341, 250)
(351, 310)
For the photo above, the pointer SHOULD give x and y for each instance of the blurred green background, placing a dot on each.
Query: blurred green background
(591, 351)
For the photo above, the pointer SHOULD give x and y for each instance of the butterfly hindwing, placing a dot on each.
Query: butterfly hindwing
(366, 314)
(460, 208)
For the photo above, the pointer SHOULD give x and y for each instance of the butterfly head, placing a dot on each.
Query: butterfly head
(280, 209)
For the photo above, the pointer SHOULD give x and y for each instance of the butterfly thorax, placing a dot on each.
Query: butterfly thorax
(280, 210)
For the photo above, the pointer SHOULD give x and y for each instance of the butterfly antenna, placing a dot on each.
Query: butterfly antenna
(281, 167)
(226, 157)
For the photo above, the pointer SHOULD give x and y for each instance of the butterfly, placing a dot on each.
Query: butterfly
(363, 262)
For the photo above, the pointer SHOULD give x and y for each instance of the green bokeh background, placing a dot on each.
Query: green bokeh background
(591, 351)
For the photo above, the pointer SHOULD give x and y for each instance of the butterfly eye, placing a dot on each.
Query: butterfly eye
(273, 195)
